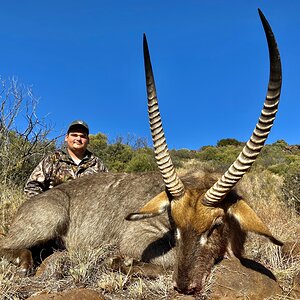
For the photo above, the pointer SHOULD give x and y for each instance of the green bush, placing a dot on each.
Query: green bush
(220, 158)
(98, 143)
(182, 153)
(117, 156)
(272, 155)
(141, 162)
(207, 153)
(120, 156)
(229, 142)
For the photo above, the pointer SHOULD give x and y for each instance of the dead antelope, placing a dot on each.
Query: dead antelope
(188, 224)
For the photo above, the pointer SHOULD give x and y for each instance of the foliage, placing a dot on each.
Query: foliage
(220, 158)
(208, 153)
(273, 156)
(23, 136)
(182, 154)
(228, 142)
(142, 161)
(122, 157)
(118, 156)
(98, 143)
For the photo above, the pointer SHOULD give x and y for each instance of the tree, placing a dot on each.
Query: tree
(229, 141)
(98, 145)
(118, 155)
(143, 160)
(23, 136)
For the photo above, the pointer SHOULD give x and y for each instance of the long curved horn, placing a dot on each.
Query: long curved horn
(163, 158)
(253, 147)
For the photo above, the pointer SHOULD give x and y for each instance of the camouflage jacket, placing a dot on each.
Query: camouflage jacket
(59, 167)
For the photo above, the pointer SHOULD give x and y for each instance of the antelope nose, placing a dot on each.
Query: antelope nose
(192, 288)
(188, 290)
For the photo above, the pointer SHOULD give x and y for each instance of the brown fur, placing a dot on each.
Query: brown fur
(91, 210)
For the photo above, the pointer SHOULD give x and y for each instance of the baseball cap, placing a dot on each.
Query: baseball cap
(79, 123)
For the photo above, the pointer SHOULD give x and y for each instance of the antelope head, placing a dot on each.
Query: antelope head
(208, 214)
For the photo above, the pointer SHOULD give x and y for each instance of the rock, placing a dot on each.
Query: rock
(243, 280)
(50, 266)
(75, 294)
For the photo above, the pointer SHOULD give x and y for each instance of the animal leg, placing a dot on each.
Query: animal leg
(35, 223)
(22, 258)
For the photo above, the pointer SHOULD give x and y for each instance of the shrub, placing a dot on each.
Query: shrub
(118, 155)
(220, 157)
(229, 142)
(141, 162)
(272, 155)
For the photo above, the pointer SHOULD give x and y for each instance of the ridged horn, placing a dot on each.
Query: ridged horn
(162, 155)
(253, 147)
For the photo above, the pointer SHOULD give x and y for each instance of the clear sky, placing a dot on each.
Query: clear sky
(84, 60)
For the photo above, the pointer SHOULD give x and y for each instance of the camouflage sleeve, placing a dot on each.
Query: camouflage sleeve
(101, 166)
(39, 180)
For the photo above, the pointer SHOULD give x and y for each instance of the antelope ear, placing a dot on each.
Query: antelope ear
(250, 221)
(156, 206)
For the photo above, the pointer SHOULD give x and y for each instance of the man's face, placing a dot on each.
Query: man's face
(77, 139)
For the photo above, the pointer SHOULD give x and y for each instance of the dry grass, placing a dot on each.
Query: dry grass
(264, 194)
(88, 268)
(11, 197)
(74, 269)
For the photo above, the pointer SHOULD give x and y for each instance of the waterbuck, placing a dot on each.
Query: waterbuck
(189, 222)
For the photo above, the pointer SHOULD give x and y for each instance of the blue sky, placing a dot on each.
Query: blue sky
(84, 60)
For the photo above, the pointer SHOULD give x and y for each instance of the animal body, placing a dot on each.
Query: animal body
(187, 223)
